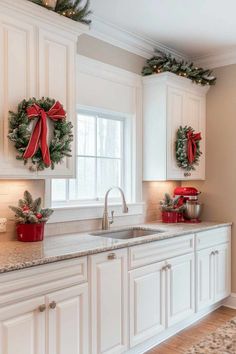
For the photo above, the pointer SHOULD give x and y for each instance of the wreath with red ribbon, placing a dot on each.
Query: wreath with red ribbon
(188, 148)
(29, 128)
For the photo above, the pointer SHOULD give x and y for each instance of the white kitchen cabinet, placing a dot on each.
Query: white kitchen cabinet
(161, 295)
(169, 102)
(222, 271)
(109, 302)
(23, 327)
(205, 279)
(57, 323)
(57, 74)
(38, 51)
(18, 81)
(180, 288)
(147, 302)
(213, 274)
(68, 320)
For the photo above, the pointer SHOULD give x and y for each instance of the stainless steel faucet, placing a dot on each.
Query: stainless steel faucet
(105, 220)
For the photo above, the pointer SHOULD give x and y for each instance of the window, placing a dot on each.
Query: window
(103, 160)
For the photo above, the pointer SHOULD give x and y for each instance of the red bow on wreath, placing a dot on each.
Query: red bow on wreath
(39, 135)
(192, 147)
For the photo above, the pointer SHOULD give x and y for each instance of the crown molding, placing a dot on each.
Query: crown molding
(145, 47)
(216, 60)
(126, 40)
(43, 15)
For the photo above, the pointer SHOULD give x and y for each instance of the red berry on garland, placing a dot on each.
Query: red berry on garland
(25, 208)
(39, 216)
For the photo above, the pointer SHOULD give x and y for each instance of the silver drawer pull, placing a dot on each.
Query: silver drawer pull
(216, 252)
(213, 253)
(111, 256)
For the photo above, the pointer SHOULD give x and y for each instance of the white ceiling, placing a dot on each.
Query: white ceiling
(193, 28)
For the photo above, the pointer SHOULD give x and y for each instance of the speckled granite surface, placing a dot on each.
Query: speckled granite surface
(222, 341)
(18, 255)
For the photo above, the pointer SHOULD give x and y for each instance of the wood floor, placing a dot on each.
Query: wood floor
(186, 338)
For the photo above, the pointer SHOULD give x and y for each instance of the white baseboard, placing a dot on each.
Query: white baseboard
(231, 301)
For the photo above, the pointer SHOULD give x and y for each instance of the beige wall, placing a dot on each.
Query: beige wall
(109, 54)
(219, 189)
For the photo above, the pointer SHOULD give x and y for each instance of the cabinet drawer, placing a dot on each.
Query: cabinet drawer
(42, 279)
(213, 237)
(157, 251)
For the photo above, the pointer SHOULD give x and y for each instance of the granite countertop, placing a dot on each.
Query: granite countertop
(16, 255)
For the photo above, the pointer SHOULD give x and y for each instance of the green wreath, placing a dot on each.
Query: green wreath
(187, 147)
(20, 133)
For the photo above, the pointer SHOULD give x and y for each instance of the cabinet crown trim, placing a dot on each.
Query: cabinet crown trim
(41, 14)
(173, 79)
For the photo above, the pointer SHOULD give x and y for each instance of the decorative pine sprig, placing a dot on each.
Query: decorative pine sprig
(162, 62)
(29, 211)
(76, 10)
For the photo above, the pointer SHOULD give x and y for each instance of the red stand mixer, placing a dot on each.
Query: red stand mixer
(189, 197)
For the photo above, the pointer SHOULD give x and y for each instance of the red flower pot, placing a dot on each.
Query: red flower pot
(170, 216)
(30, 232)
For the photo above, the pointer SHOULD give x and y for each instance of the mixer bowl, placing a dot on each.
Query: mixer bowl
(193, 210)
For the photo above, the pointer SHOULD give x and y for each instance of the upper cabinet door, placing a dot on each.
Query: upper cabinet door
(57, 74)
(170, 101)
(184, 109)
(18, 82)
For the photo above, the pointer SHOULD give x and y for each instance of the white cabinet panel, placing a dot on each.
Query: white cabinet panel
(205, 278)
(22, 328)
(169, 102)
(213, 278)
(68, 321)
(147, 302)
(37, 58)
(180, 288)
(18, 82)
(57, 73)
(222, 271)
(109, 302)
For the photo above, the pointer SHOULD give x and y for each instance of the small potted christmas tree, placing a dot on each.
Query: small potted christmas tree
(172, 209)
(30, 218)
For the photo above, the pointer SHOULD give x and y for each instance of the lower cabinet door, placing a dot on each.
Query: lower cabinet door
(109, 302)
(180, 289)
(23, 327)
(68, 321)
(222, 271)
(205, 278)
(147, 302)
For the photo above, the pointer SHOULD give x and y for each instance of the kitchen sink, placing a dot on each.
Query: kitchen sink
(127, 233)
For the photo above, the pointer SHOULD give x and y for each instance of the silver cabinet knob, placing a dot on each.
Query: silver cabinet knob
(111, 256)
(164, 268)
(216, 252)
(42, 308)
(52, 305)
(212, 253)
(168, 266)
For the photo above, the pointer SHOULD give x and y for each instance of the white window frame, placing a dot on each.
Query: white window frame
(126, 157)
(95, 210)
